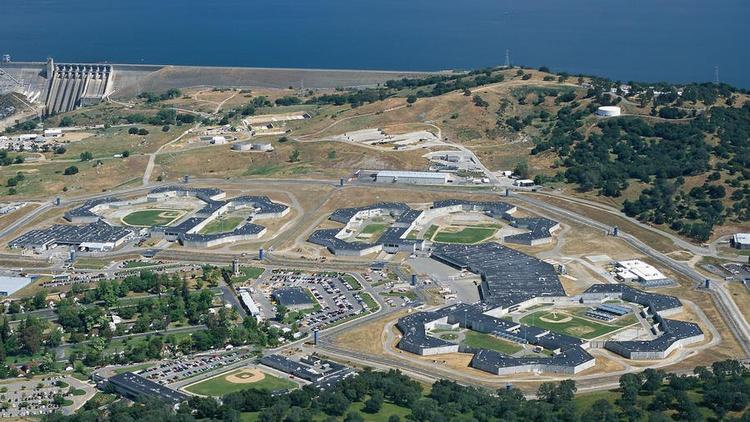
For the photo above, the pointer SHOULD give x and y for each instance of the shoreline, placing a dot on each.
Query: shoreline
(145, 66)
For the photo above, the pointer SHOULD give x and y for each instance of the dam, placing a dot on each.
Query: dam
(67, 86)
(70, 86)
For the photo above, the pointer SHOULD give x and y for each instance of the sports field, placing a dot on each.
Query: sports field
(467, 235)
(487, 341)
(149, 218)
(239, 380)
(567, 323)
(221, 225)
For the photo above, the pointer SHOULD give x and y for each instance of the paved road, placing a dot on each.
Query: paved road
(228, 296)
(731, 313)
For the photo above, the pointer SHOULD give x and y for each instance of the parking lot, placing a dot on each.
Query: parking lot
(172, 371)
(740, 272)
(37, 396)
(338, 297)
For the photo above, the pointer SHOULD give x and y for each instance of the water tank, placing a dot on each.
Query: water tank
(413, 279)
(261, 254)
(608, 111)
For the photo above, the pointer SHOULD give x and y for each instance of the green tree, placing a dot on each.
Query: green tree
(522, 169)
(86, 156)
(294, 156)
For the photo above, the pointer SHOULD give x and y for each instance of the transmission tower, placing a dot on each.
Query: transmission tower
(507, 58)
(716, 74)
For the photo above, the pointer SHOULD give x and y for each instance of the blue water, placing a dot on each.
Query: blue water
(648, 40)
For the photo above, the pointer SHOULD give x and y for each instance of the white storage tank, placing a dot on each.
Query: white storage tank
(608, 111)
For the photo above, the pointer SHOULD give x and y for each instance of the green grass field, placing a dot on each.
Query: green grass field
(149, 218)
(569, 324)
(467, 235)
(221, 225)
(219, 386)
(430, 232)
(247, 273)
(371, 303)
(352, 282)
(487, 341)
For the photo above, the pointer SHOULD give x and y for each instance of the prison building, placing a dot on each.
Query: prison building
(540, 230)
(570, 361)
(740, 240)
(98, 236)
(293, 298)
(85, 213)
(136, 387)
(652, 302)
(392, 240)
(510, 279)
(672, 334)
(641, 272)
(495, 209)
(415, 339)
(412, 177)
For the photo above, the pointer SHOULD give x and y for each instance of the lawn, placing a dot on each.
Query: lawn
(221, 225)
(373, 230)
(430, 232)
(219, 386)
(467, 235)
(487, 341)
(91, 263)
(247, 273)
(352, 282)
(150, 218)
(571, 325)
(370, 302)
(139, 264)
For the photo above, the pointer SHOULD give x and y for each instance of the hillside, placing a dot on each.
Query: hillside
(677, 157)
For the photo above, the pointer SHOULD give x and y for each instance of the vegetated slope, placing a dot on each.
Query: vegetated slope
(678, 156)
(691, 173)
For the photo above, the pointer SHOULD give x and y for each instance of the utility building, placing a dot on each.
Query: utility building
(412, 177)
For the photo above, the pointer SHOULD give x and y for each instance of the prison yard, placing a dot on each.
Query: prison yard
(429, 248)
(569, 321)
(150, 218)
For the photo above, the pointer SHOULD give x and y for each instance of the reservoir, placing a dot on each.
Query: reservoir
(644, 40)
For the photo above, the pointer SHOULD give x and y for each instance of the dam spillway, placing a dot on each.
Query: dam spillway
(73, 85)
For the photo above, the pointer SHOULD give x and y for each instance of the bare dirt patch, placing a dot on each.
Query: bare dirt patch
(246, 376)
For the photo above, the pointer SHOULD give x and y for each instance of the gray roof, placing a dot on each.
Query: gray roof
(495, 209)
(98, 232)
(85, 209)
(493, 360)
(508, 276)
(136, 385)
(655, 301)
(343, 215)
(539, 228)
(290, 296)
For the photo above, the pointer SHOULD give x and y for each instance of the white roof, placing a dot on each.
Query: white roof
(423, 174)
(249, 302)
(10, 285)
(742, 238)
(642, 270)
